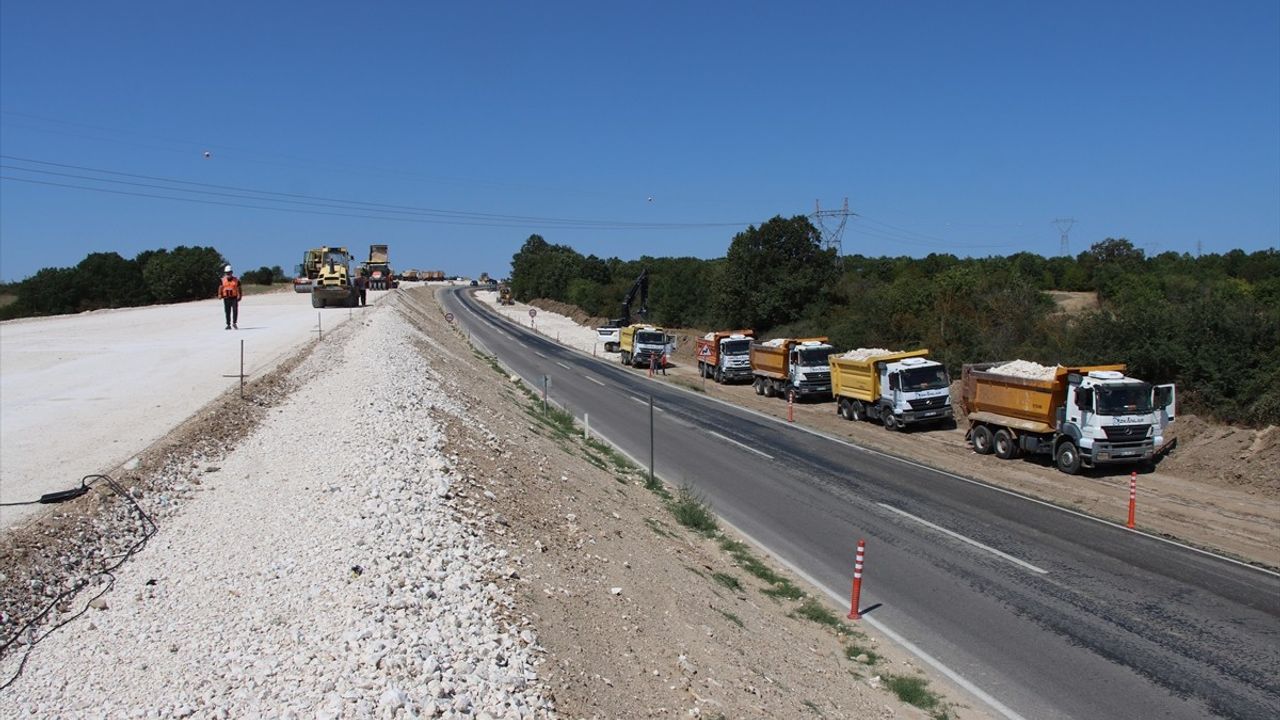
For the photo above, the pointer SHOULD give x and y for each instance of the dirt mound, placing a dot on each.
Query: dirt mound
(574, 312)
(1074, 303)
(1234, 456)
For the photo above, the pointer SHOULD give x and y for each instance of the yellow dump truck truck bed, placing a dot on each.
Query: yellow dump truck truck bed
(1025, 403)
(860, 379)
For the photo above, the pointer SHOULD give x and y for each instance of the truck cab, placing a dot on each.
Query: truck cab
(609, 336)
(641, 345)
(808, 371)
(912, 390)
(1112, 418)
(734, 358)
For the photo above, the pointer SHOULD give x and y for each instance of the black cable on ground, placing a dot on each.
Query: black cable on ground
(148, 529)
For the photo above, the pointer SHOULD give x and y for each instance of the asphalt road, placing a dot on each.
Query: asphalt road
(1041, 612)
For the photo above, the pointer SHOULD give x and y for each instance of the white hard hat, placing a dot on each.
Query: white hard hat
(226, 269)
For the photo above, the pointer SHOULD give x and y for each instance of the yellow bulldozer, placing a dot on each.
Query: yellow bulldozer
(333, 285)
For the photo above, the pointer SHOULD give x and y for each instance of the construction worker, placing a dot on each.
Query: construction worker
(362, 286)
(229, 291)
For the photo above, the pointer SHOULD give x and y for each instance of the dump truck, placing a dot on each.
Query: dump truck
(431, 275)
(1079, 416)
(791, 365)
(641, 345)
(409, 276)
(725, 355)
(333, 284)
(897, 388)
(378, 268)
(504, 295)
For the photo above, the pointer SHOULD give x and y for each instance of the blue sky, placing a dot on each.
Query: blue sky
(951, 127)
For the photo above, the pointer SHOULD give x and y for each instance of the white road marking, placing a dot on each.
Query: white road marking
(642, 402)
(1021, 563)
(563, 365)
(592, 379)
(539, 354)
(741, 445)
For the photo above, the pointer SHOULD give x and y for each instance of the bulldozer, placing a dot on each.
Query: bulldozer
(333, 285)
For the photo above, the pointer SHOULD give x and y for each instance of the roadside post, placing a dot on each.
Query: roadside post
(241, 375)
(791, 406)
(857, 582)
(546, 383)
(651, 483)
(533, 313)
(319, 327)
(1133, 498)
(586, 426)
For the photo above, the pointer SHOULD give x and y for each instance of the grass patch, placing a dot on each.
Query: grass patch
(913, 690)
(810, 704)
(730, 617)
(727, 580)
(693, 512)
(815, 611)
(853, 651)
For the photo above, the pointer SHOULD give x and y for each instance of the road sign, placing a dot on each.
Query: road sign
(533, 312)
(448, 318)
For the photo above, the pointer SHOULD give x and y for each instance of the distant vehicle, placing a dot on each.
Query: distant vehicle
(725, 355)
(308, 271)
(333, 285)
(641, 345)
(378, 268)
(475, 284)
(505, 297)
(791, 365)
(896, 388)
(610, 336)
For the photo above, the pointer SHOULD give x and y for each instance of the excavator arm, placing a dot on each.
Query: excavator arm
(640, 289)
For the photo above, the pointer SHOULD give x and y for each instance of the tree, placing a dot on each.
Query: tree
(773, 273)
(185, 273)
(106, 280)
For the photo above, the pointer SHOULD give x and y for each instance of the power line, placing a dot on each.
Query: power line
(368, 210)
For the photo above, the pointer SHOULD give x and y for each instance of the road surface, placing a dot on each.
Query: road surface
(1037, 611)
(83, 393)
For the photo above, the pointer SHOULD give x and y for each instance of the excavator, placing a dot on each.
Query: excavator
(611, 332)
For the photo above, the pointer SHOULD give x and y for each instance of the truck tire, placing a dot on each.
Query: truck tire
(719, 376)
(890, 422)
(842, 409)
(858, 411)
(1067, 458)
(982, 440)
(316, 302)
(1006, 445)
(626, 358)
(757, 386)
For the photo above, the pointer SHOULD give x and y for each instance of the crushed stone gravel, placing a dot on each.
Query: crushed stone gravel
(334, 573)
(1026, 369)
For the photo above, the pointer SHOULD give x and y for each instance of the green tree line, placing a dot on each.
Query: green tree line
(1210, 323)
(107, 280)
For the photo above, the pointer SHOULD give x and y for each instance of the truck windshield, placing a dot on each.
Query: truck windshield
(736, 347)
(1128, 399)
(814, 356)
(925, 378)
(652, 338)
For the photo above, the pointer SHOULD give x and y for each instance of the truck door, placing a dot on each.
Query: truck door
(792, 362)
(1166, 402)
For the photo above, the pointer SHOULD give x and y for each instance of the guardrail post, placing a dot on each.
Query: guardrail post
(857, 582)
(791, 406)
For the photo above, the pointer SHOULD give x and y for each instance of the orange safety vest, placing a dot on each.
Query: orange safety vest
(230, 287)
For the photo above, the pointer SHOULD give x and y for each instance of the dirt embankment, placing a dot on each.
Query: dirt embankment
(639, 615)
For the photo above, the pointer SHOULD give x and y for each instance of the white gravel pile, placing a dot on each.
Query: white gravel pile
(324, 570)
(864, 353)
(776, 342)
(1026, 369)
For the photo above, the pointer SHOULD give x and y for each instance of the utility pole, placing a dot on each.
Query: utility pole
(1064, 228)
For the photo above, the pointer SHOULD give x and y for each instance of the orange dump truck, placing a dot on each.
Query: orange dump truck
(725, 355)
(1079, 416)
(791, 365)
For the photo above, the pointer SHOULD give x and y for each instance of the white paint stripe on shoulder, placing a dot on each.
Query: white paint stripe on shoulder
(566, 366)
(594, 380)
(962, 538)
(744, 446)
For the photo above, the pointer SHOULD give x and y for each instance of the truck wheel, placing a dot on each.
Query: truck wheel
(1006, 446)
(719, 376)
(982, 440)
(1067, 458)
(890, 422)
(316, 302)
(857, 411)
(626, 358)
(759, 390)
